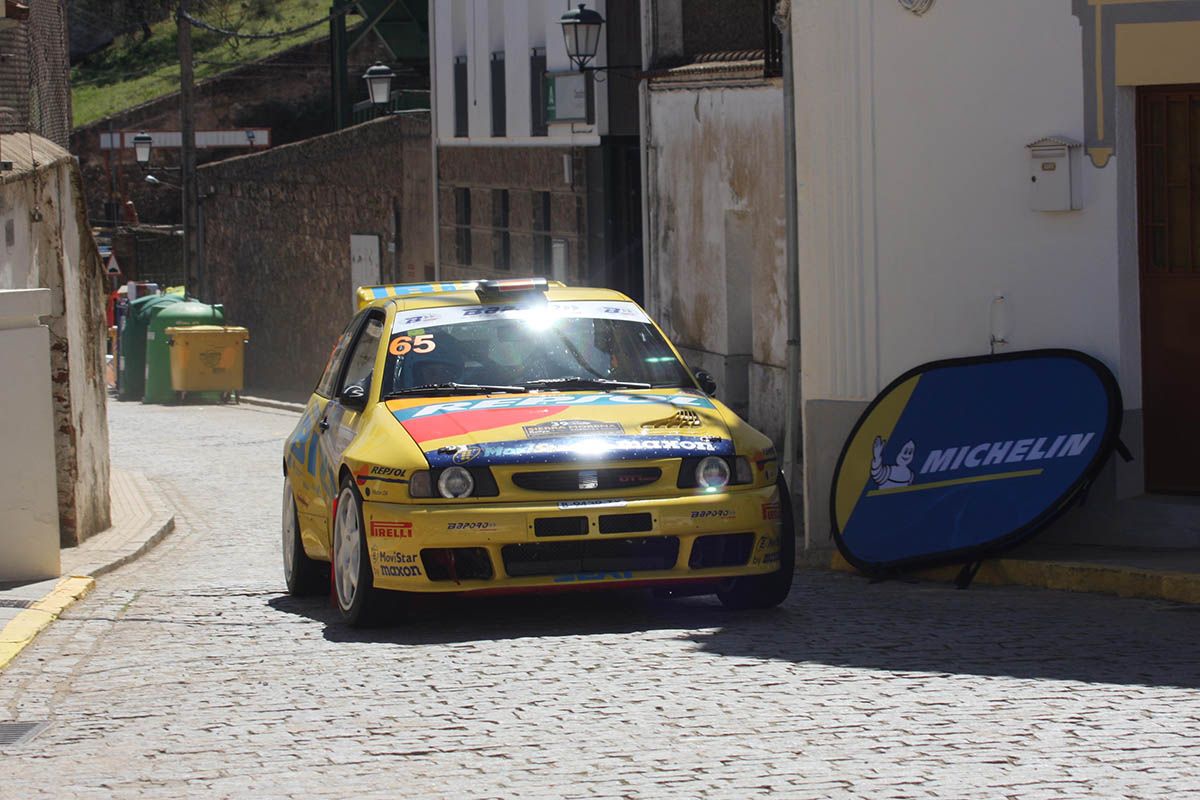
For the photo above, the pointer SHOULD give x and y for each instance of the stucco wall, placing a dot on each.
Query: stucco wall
(716, 238)
(914, 183)
(914, 205)
(277, 238)
(45, 242)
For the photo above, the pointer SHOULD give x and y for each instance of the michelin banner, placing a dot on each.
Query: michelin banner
(960, 459)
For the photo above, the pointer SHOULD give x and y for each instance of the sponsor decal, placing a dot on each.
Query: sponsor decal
(568, 504)
(586, 448)
(470, 526)
(388, 472)
(770, 511)
(715, 513)
(764, 458)
(383, 474)
(768, 542)
(572, 427)
(455, 315)
(466, 454)
(557, 400)
(400, 572)
(391, 530)
(771, 558)
(385, 557)
(593, 576)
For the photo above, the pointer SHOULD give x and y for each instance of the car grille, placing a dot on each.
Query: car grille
(594, 555)
(583, 480)
(456, 563)
(721, 550)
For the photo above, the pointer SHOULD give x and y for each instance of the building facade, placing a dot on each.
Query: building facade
(538, 163)
(925, 233)
(714, 151)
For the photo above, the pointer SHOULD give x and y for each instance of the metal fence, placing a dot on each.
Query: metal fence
(35, 90)
(401, 100)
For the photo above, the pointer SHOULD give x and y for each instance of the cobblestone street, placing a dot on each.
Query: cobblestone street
(190, 672)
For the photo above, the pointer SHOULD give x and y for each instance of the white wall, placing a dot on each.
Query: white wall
(716, 234)
(914, 190)
(476, 29)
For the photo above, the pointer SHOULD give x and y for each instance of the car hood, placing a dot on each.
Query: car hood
(563, 426)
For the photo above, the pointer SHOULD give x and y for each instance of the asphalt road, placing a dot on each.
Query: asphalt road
(191, 673)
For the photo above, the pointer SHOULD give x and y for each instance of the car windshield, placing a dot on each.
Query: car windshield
(569, 346)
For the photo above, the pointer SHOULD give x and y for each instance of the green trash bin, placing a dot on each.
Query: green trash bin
(131, 361)
(158, 347)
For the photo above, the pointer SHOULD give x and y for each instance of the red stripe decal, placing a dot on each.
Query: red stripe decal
(460, 423)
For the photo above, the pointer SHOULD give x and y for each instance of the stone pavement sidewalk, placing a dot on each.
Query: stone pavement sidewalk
(141, 517)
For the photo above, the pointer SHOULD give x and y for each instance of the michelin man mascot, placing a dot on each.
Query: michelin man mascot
(891, 476)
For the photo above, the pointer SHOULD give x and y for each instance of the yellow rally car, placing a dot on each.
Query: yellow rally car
(521, 435)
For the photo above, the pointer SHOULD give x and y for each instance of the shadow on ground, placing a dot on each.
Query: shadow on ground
(843, 621)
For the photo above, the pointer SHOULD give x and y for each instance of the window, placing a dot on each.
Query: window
(325, 386)
(462, 226)
(361, 364)
(537, 105)
(501, 239)
(541, 233)
(461, 127)
(499, 109)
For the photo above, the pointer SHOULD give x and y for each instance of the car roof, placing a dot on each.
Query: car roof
(455, 294)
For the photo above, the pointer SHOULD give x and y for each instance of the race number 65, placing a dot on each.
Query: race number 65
(403, 345)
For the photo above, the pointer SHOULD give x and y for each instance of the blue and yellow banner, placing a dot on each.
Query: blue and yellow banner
(958, 459)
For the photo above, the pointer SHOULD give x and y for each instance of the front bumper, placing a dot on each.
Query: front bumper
(514, 546)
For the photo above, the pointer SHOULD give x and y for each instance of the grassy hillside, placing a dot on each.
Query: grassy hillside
(133, 71)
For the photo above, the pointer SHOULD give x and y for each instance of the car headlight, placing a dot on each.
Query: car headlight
(455, 482)
(712, 473)
(706, 473)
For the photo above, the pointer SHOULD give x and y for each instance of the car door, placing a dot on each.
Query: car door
(310, 474)
(339, 424)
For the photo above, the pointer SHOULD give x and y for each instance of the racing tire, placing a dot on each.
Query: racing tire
(768, 591)
(303, 575)
(354, 591)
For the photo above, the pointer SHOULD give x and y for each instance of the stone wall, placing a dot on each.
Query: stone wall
(46, 243)
(277, 238)
(526, 173)
(288, 93)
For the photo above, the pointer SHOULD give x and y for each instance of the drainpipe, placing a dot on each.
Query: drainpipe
(791, 437)
(433, 146)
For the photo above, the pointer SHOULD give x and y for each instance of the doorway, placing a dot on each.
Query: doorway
(1168, 166)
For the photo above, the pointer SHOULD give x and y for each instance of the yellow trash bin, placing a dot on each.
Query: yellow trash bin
(208, 358)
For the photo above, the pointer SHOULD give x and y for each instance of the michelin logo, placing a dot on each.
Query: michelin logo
(972, 456)
(889, 476)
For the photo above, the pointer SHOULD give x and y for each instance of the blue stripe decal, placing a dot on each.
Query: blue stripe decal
(579, 448)
(380, 292)
(553, 399)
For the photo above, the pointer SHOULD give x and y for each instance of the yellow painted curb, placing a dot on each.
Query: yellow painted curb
(23, 628)
(1179, 587)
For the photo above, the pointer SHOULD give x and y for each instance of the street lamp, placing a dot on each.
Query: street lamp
(379, 83)
(153, 181)
(141, 147)
(581, 31)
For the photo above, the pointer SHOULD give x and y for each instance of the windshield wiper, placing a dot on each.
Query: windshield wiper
(458, 388)
(578, 382)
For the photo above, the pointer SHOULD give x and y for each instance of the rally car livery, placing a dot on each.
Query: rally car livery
(514, 435)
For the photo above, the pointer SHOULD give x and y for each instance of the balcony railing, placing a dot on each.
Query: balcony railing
(401, 100)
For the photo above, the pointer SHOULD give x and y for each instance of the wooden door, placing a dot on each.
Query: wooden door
(1168, 130)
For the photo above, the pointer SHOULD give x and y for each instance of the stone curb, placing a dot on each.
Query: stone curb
(1070, 576)
(151, 529)
(278, 405)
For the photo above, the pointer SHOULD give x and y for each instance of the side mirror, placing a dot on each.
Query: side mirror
(706, 382)
(353, 397)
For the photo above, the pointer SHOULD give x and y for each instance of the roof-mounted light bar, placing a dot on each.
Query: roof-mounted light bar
(512, 288)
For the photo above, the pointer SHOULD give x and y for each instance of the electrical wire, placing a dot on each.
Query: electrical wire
(232, 34)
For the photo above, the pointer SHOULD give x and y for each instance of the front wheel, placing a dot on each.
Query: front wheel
(303, 575)
(353, 581)
(768, 591)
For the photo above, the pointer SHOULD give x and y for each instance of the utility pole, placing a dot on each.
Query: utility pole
(187, 126)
